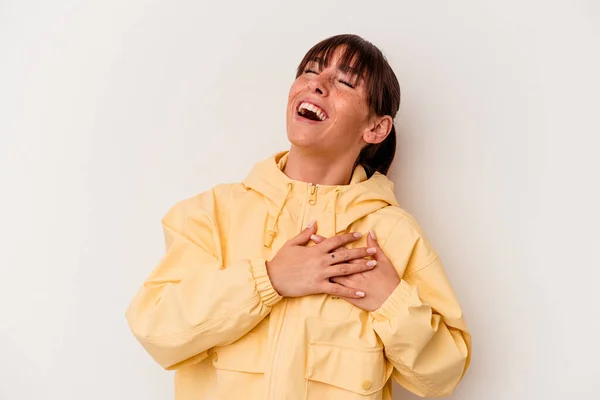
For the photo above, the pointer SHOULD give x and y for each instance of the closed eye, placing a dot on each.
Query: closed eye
(347, 83)
(310, 71)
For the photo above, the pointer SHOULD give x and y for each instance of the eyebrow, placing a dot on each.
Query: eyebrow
(345, 68)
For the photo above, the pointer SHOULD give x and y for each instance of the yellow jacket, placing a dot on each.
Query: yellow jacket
(208, 309)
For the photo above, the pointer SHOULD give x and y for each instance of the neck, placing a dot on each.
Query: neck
(318, 168)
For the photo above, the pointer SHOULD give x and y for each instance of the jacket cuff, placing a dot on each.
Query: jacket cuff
(267, 293)
(394, 303)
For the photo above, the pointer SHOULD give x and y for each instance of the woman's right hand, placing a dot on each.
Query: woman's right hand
(298, 270)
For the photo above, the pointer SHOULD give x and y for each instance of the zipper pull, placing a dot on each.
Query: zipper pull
(313, 194)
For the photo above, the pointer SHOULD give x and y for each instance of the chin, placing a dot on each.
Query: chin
(303, 136)
(299, 140)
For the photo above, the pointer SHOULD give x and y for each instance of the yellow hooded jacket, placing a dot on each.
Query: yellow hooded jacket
(209, 311)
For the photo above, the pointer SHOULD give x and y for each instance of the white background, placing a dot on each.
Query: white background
(111, 111)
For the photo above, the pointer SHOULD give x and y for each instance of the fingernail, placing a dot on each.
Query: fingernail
(371, 250)
(360, 294)
(357, 234)
(311, 223)
(314, 238)
(372, 233)
(371, 263)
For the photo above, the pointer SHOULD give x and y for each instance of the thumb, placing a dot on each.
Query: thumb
(303, 237)
(372, 242)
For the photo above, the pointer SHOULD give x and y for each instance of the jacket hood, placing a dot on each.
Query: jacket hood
(362, 196)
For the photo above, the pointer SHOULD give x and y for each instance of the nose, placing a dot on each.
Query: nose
(317, 85)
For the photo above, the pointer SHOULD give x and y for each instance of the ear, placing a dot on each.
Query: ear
(379, 128)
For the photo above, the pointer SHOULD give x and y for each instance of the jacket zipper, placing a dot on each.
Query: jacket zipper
(276, 357)
(312, 200)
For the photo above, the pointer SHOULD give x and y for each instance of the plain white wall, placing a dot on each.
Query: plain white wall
(112, 111)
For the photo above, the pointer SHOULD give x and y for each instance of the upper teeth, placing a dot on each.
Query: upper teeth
(307, 106)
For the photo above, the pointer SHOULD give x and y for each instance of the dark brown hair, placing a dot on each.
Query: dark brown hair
(382, 88)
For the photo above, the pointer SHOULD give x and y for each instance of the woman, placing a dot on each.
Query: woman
(307, 280)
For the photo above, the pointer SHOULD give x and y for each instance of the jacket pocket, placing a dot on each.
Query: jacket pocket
(340, 372)
(240, 366)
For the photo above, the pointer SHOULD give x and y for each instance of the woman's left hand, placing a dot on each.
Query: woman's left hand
(378, 283)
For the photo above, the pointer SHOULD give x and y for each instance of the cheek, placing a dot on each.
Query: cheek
(295, 89)
(352, 111)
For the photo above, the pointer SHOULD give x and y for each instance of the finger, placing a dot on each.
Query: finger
(339, 249)
(344, 255)
(320, 239)
(372, 242)
(356, 261)
(339, 240)
(317, 238)
(336, 251)
(342, 280)
(303, 237)
(336, 289)
(349, 269)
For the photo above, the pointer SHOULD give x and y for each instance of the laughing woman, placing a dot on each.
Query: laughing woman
(307, 280)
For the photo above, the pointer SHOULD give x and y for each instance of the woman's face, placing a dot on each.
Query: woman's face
(326, 112)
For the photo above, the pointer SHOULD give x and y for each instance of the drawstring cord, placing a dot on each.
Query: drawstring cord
(272, 233)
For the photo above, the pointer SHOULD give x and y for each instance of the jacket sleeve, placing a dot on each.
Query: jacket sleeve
(421, 324)
(191, 302)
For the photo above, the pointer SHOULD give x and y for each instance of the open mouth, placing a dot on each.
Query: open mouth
(311, 112)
